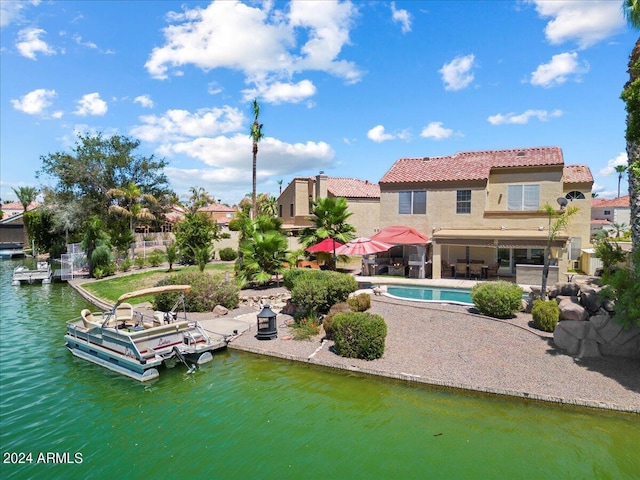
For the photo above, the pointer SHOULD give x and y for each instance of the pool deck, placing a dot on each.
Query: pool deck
(425, 282)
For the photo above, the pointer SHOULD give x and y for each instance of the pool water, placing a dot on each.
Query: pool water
(432, 294)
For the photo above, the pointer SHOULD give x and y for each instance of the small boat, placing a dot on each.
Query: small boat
(136, 344)
(42, 273)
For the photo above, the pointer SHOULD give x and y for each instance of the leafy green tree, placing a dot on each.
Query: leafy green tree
(97, 165)
(624, 287)
(267, 205)
(611, 254)
(40, 224)
(329, 218)
(560, 222)
(256, 135)
(194, 232)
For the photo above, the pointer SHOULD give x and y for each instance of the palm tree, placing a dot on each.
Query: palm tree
(560, 223)
(263, 255)
(620, 169)
(26, 195)
(256, 135)
(132, 200)
(619, 228)
(199, 198)
(329, 218)
(267, 205)
(631, 96)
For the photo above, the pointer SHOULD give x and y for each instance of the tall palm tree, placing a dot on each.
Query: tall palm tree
(131, 204)
(631, 96)
(26, 195)
(620, 169)
(256, 136)
(199, 198)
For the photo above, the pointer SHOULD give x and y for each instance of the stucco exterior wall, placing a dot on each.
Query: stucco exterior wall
(366, 215)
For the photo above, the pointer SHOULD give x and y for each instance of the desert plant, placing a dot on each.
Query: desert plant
(228, 254)
(359, 335)
(305, 328)
(125, 265)
(139, 261)
(545, 315)
(203, 256)
(498, 299)
(360, 302)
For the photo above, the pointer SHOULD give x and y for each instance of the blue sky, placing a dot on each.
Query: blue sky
(344, 87)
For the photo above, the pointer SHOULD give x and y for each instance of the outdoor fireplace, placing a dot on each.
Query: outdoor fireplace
(267, 324)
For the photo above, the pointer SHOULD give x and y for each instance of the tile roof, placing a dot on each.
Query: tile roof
(469, 165)
(216, 207)
(611, 202)
(576, 174)
(352, 188)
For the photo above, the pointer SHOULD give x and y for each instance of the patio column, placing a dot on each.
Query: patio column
(436, 268)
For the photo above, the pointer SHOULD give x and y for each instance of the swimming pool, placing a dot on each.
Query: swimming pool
(432, 294)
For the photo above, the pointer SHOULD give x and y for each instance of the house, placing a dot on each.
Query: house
(221, 214)
(12, 229)
(607, 212)
(363, 200)
(484, 208)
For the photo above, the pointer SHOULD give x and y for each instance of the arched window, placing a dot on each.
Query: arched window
(575, 195)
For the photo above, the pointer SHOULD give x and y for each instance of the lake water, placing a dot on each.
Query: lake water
(245, 416)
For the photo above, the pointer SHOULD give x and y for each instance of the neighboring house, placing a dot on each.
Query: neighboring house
(486, 206)
(363, 200)
(608, 211)
(11, 224)
(221, 214)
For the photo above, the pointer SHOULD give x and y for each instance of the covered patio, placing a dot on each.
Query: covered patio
(496, 253)
(408, 257)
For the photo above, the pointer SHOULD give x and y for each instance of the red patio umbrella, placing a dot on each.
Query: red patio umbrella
(326, 245)
(363, 246)
(401, 235)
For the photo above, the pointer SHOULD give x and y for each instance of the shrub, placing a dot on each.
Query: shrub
(545, 315)
(228, 254)
(225, 235)
(360, 303)
(139, 261)
(101, 258)
(359, 335)
(156, 258)
(207, 291)
(317, 290)
(125, 265)
(327, 321)
(498, 299)
(235, 224)
(305, 328)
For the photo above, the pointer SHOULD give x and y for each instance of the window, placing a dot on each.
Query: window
(412, 202)
(291, 210)
(607, 212)
(523, 197)
(463, 201)
(575, 195)
(280, 210)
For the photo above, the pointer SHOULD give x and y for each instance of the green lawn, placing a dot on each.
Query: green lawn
(110, 288)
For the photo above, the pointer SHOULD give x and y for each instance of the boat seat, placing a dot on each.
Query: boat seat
(88, 319)
(124, 312)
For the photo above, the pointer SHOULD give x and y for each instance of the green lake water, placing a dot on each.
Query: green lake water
(244, 416)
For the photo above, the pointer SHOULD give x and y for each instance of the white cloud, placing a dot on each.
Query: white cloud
(378, 135)
(260, 42)
(401, 16)
(144, 100)
(620, 159)
(91, 104)
(584, 21)
(11, 12)
(558, 70)
(29, 43)
(436, 131)
(179, 125)
(523, 118)
(282, 92)
(78, 39)
(457, 74)
(34, 102)
(226, 161)
(213, 88)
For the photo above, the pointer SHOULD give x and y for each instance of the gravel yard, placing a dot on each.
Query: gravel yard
(446, 345)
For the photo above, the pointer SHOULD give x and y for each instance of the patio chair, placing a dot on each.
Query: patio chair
(475, 270)
(492, 271)
(461, 269)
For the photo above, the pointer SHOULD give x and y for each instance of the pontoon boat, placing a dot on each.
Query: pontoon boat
(136, 344)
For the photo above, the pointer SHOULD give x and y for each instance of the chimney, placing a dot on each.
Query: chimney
(321, 185)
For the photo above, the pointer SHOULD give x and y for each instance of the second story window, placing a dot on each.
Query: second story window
(280, 210)
(463, 201)
(412, 202)
(607, 212)
(523, 197)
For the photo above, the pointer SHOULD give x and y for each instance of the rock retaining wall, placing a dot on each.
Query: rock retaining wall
(586, 328)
